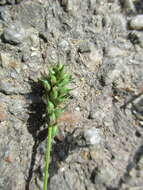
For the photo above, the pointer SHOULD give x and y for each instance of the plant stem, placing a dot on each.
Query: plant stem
(47, 157)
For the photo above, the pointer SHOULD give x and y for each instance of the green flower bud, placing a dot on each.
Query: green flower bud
(63, 91)
(53, 79)
(64, 82)
(63, 76)
(60, 100)
(51, 71)
(60, 67)
(45, 84)
(52, 118)
(54, 93)
(50, 107)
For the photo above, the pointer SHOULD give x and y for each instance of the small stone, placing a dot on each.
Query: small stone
(39, 183)
(95, 59)
(138, 108)
(4, 15)
(44, 36)
(114, 52)
(106, 175)
(4, 59)
(64, 2)
(93, 155)
(84, 155)
(2, 2)
(2, 113)
(9, 158)
(137, 22)
(34, 40)
(92, 136)
(42, 148)
(24, 58)
(11, 2)
(9, 86)
(136, 37)
(7, 61)
(64, 45)
(84, 47)
(129, 5)
(18, 1)
(14, 34)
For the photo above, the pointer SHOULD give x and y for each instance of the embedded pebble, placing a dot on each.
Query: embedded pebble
(137, 22)
(7, 61)
(92, 136)
(95, 59)
(136, 37)
(11, 2)
(9, 86)
(42, 148)
(64, 45)
(113, 51)
(129, 5)
(14, 34)
(2, 2)
(9, 158)
(84, 47)
(138, 108)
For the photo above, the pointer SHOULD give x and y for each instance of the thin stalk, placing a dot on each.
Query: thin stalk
(47, 157)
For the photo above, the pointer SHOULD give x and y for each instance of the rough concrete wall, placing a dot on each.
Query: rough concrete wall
(101, 42)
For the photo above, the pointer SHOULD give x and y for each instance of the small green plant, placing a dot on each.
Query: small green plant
(55, 94)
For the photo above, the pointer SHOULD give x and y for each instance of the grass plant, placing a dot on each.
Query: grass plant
(54, 95)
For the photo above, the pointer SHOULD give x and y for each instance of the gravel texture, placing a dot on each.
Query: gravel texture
(100, 141)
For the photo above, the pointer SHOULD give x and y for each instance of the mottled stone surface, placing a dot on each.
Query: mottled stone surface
(137, 22)
(99, 145)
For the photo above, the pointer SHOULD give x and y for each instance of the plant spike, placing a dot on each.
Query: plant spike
(55, 93)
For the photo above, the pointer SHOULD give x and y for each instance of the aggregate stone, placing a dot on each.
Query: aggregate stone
(136, 22)
(115, 52)
(10, 86)
(129, 5)
(84, 47)
(14, 34)
(106, 174)
(64, 45)
(138, 108)
(2, 2)
(95, 59)
(118, 23)
(93, 136)
(8, 61)
(18, 1)
(11, 2)
(136, 37)
(4, 15)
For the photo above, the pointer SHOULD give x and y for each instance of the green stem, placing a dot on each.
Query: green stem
(47, 157)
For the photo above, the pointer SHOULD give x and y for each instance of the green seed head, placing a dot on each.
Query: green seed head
(50, 107)
(52, 118)
(45, 84)
(55, 91)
